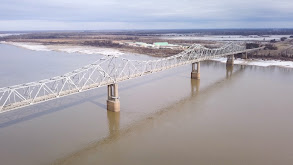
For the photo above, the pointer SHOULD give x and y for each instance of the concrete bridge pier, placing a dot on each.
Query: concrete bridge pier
(244, 55)
(113, 103)
(230, 60)
(195, 74)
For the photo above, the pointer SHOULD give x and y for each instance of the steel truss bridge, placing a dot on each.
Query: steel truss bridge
(105, 71)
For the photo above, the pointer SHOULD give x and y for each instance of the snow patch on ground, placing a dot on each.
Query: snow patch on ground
(66, 48)
(258, 62)
(30, 46)
(9, 34)
(85, 50)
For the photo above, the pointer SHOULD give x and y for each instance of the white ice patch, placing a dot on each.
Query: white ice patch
(85, 50)
(66, 48)
(259, 62)
(9, 34)
(31, 46)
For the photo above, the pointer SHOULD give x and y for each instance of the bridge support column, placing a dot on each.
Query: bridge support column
(195, 74)
(244, 55)
(230, 60)
(113, 103)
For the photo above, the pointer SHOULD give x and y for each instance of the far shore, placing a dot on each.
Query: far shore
(69, 48)
(277, 47)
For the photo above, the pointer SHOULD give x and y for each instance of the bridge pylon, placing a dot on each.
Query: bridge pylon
(230, 60)
(244, 55)
(113, 103)
(195, 74)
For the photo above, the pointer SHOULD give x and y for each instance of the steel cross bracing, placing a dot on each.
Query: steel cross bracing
(105, 71)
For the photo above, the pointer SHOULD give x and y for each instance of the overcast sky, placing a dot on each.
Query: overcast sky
(144, 14)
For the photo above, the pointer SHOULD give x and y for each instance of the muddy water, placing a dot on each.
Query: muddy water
(240, 115)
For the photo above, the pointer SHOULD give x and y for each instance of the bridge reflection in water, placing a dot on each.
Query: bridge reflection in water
(115, 131)
(114, 117)
(229, 71)
(195, 83)
(113, 123)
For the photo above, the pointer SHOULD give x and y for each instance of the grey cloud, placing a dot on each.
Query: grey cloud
(188, 12)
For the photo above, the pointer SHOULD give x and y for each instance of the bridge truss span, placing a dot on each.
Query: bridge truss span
(105, 71)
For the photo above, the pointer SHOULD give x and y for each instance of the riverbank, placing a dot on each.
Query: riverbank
(261, 61)
(279, 46)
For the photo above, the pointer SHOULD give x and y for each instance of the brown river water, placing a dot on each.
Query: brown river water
(241, 115)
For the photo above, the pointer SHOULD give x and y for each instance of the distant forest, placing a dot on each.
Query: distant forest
(211, 32)
(62, 34)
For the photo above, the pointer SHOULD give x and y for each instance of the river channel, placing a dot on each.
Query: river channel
(232, 115)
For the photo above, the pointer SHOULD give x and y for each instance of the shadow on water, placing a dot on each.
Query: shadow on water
(115, 132)
(28, 113)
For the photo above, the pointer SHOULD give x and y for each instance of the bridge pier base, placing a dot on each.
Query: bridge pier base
(113, 103)
(195, 74)
(230, 60)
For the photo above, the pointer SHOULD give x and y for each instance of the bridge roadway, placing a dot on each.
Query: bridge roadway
(109, 71)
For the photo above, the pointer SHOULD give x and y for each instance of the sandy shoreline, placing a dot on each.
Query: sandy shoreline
(110, 51)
